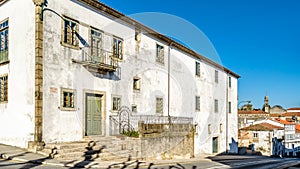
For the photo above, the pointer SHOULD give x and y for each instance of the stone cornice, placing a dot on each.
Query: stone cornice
(3, 1)
(118, 15)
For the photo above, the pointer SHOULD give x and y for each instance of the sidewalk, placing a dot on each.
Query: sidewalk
(22, 155)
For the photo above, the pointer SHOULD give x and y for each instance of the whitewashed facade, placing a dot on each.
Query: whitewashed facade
(66, 77)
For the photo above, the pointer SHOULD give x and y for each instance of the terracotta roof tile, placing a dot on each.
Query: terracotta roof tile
(282, 121)
(262, 127)
(251, 112)
(291, 114)
(294, 108)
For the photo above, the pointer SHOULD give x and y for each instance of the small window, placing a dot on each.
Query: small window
(216, 106)
(67, 99)
(118, 48)
(229, 81)
(197, 101)
(159, 54)
(209, 128)
(221, 128)
(70, 31)
(159, 105)
(3, 89)
(255, 135)
(136, 83)
(229, 107)
(197, 71)
(4, 41)
(134, 109)
(116, 103)
(216, 76)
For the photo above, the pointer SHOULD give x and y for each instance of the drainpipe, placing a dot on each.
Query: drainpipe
(38, 143)
(169, 76)
(227, 113)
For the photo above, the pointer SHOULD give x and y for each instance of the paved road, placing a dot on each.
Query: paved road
(10, 164)
(236, 162)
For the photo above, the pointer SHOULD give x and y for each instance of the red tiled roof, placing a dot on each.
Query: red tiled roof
(251, 112)
(275, 115)
(291, 114)
(262, 127)
(294, 108)
(282, 121)
(297, 127)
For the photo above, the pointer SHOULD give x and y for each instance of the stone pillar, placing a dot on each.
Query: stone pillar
(38, 143)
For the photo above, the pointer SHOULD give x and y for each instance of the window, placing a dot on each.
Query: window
(134, 109)
(4, 41)
(118, 48)
(70, 30)
(221, 128)
(159, 54)
(159, 105)
(197, 72)
(136, 83)
(67, 99)
(3, 88)
(197, 101)
(255, 135)
(229, 81)
(216, 76)
(229, 107)
(216, 106)
(96, 46)
(116, 103)
(209, 128)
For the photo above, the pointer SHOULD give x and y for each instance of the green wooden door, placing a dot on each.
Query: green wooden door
(93, 115)
(215, 144)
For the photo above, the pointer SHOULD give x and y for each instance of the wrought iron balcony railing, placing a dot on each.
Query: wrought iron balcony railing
(103, 61)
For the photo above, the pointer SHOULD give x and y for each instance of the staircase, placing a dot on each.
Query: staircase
(96, 148)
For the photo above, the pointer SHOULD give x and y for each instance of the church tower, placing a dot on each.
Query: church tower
(266, 107)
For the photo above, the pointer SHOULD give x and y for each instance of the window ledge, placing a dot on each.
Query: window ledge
(4, 62)
(67, 109)
(70, 46)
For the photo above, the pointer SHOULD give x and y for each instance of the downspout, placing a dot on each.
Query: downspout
(37, 144)
(169, 77)
(227, 113)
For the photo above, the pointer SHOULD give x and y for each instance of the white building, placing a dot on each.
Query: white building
(63, 76)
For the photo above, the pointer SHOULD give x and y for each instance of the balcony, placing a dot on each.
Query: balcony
(103, 62)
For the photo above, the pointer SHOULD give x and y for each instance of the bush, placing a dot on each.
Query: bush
(131, 133)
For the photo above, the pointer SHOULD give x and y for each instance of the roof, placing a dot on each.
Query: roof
(294, 108)
(282, 121)
(99, 6)
(291, 114)
(297, 127)
(251, 112)
(262, 127)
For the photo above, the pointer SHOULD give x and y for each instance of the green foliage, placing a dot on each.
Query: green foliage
(131, 133)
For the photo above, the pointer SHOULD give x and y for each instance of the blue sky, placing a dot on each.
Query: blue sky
(258, 39)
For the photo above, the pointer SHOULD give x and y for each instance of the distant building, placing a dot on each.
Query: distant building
(248, 117)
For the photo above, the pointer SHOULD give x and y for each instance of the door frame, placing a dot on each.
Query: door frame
(103, 109)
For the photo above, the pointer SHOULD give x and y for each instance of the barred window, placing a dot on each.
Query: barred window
(197, 71)
(229, 107)
(4, 41)
(136, 83)
(67, 99)
(3, 89)
(216, 106)
(118, 48)
(159, 105)
(197, 101)
(229, 81)
(116, 103)
(216, 76)
(96, 46)
(159, 54)
(70, 29)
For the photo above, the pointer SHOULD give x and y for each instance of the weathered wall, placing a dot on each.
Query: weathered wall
(17, 115)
